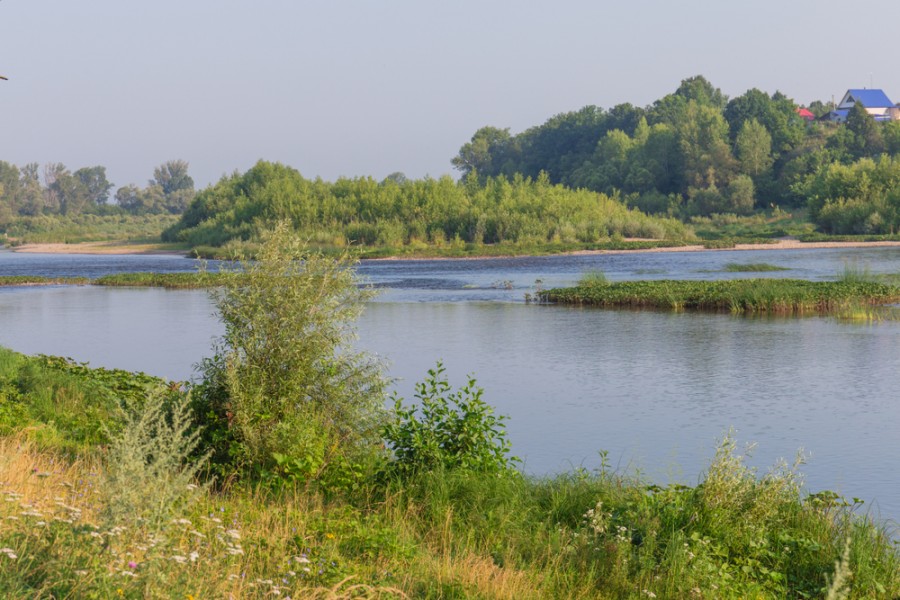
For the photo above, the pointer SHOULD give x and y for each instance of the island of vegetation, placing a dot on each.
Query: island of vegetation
(849, 295)
(280, 473)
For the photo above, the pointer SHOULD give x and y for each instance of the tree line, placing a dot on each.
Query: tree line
(398, 212)
(32, 191)
(695, 152)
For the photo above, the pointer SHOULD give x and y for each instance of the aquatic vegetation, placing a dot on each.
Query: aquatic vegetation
(27, 280)
(782, 296)
(752, 268)
(187, 280)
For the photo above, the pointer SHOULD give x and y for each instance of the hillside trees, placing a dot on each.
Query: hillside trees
(694, 151)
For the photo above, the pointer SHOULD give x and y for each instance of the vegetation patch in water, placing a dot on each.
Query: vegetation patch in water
(782, 296)
(188, 280)
(752, 268)
(22, 280)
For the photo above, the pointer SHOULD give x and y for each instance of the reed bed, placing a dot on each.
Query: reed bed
(29, 280)
(776, 296)
(188, 280)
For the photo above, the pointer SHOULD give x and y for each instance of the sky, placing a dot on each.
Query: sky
(371, 87)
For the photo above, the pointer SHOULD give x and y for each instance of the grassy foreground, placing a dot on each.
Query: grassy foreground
(779, 296)
(65, 532)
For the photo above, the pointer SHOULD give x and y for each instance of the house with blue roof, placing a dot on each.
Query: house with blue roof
(875, 102)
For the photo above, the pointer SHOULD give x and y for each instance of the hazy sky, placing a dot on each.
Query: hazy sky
(371, 87)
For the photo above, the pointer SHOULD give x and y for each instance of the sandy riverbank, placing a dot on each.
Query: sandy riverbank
(97, 248)
(119, 248)
(782, 244)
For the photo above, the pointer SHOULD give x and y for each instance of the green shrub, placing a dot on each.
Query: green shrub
(284, 396)
(455, 430)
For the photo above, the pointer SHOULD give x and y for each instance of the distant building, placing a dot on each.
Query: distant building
(875, 102)
(806, 114)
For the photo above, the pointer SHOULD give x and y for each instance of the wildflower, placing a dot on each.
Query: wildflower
(648, 593)
(194, 556)
(329, 536)
(132, 565)
(302, 559)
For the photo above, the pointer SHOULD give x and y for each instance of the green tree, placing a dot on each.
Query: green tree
(867, 139)
(754, 148)
(172, 176)
(95, 185)
(702, 92)
(702, 138)
(69, 192)
(485, 153)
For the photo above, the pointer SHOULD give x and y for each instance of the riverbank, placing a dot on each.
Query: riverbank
(71, 527)
(780, 244)
(102, 248)
(639, 246)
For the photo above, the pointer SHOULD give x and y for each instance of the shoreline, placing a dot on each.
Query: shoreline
(112, 248)
(781, 244)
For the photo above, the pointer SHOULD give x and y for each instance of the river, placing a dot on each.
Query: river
(655, 390)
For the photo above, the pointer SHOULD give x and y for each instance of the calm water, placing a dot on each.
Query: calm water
(656, 390)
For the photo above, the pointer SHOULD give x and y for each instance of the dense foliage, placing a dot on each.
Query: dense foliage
(285, 396)
(394, 213)
(695, 152)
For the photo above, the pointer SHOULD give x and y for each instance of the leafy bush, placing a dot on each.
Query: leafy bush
(455, 430)
(284, 396)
